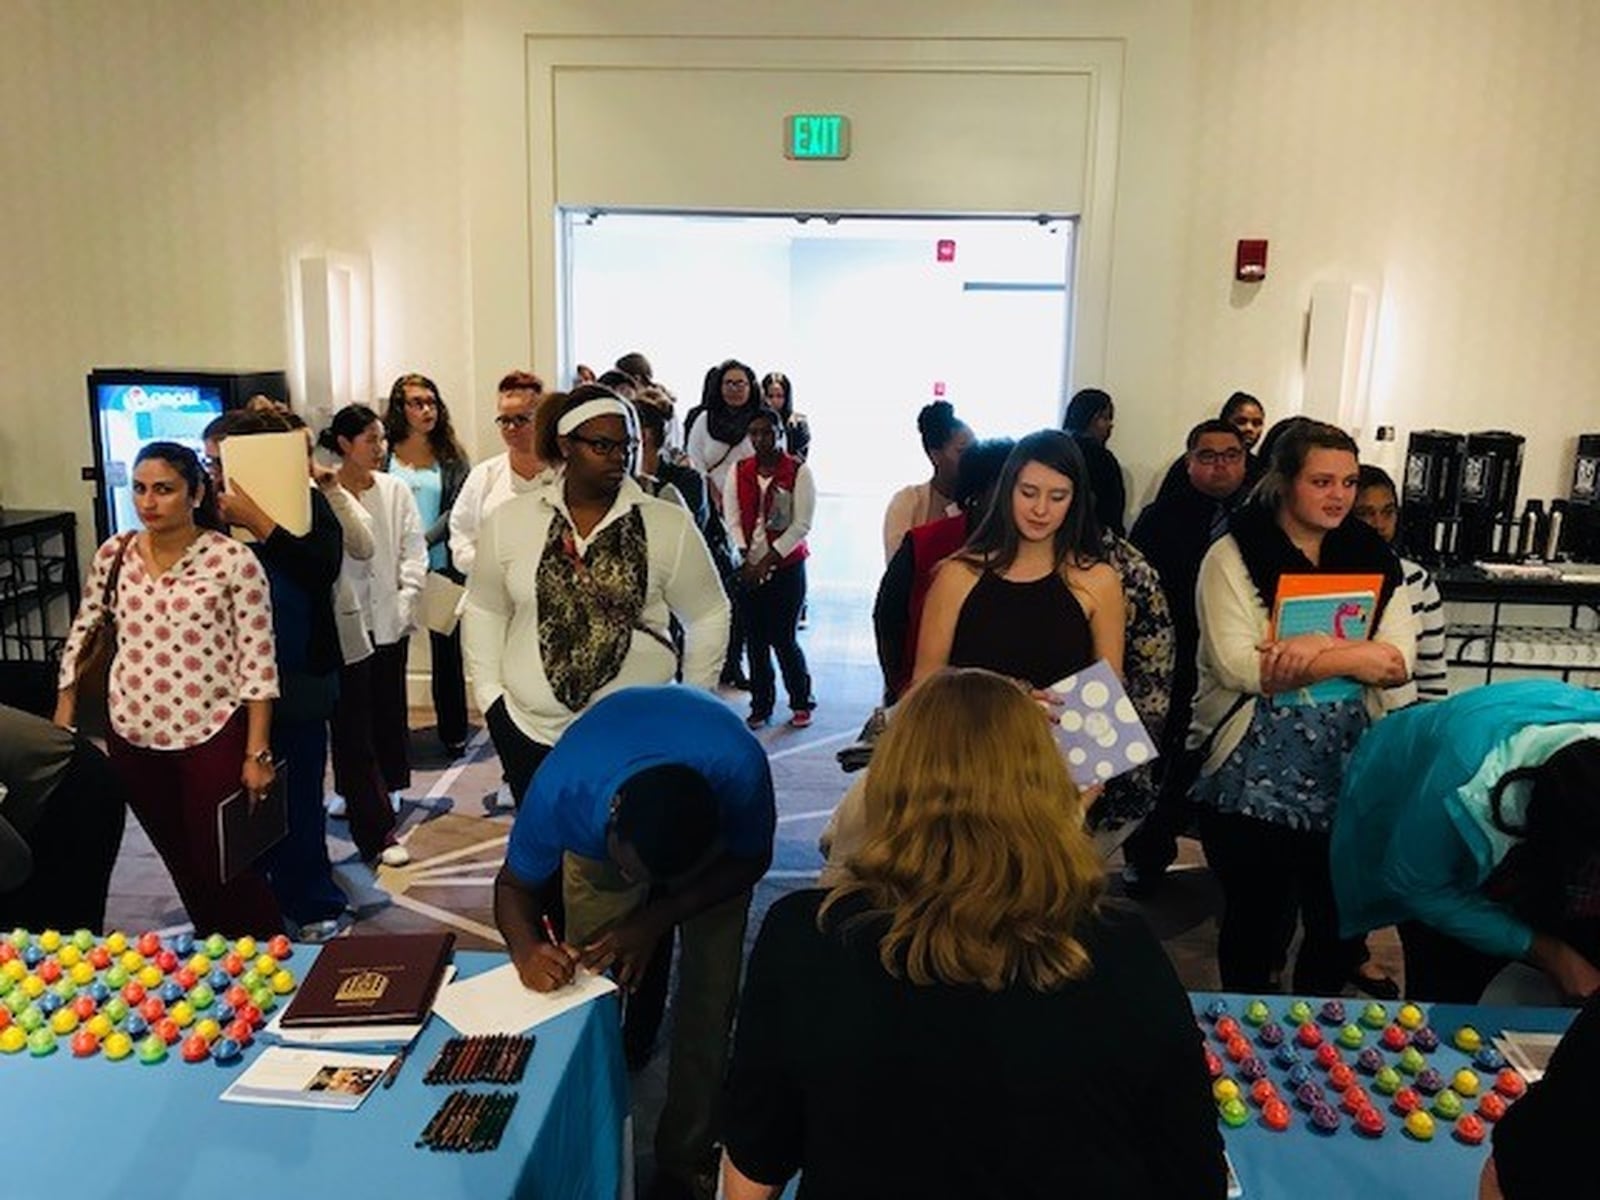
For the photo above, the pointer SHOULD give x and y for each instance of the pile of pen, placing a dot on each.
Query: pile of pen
(498, 1059)
(469, 1121)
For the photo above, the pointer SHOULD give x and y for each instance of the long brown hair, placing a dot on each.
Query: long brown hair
(441, 439)
(974, 851)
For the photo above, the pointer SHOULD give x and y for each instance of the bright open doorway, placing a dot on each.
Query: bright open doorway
(870, 317)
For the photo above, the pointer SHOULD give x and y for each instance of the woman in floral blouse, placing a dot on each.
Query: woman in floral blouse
(192, 683)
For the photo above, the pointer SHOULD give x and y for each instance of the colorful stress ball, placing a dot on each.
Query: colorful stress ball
(1275, 1115)
(85, 1044)
(1509, 1084)
(1299, 1013)
(280, 947)
(182, 1014)
(5, 1016)
(1447, 1105)
(98, 992)
(1491, 1108)
(19, 939)
(41, 1042)
(1395, 1038)
(208, 1028)
(167, 1030)
(1216, 1010)
(100, 1025)
(1369, 1061)
(15, 970)
(200, 964)
(239, 1032)
(116, 942)
(246, 947)
(115, 1010)
(196, 1049)
(1213, 1063)
(202, 997)
(32, 957)
(223, 1013)
(1308, 1095)
(183, 944)
(152, 1050)
(1333, 1013)
(1420, 1126)
(219, 980)
(1261, 1091)
(1354, 1100)
(267, 966)
(49, 970)
(1328, 1056)
(1309, 1036)
(136, 1026)
(1340, 1076)
(7, 952)
(216, 945)
(1271, 1035)
(1351, 1037)
(1429, 1081)
(1465, 1083)
(233, 964)
(1374, 1016)
(82, 940)
(282, 982)
(1470, 1130)
(1224, 1090)
(31, 1018)
(63, 990)
(225, 1050)
(63, 1021)
(249, 1014)
(1369, 1121)
(1468, 1040)
(1234, 1113)
(32, 986)
(1237, 1048)
(1324, 1118)
(50, 941)
(118, 1046)
(133, 992)
(69, 955)
(12, 1039)
(1489, 1059)
(1257, 1013)
(153, 1009)
(1425, 1039)
(1298, 1076)
(99, 958)
(1252, 1069)
(150, 976)
(48, 1003)
(1411, 1060)
(149, 944)
(83, 1007)
(263, 999)
(184, 978)
(1410, 1017)
(131, 961)
(167, 961)
(1406, 1100)
(1286, 1055)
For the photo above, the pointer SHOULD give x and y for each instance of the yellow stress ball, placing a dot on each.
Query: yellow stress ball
(69, 955)
(50, 941)
(183, 1013)
(12, 1039)
(32, 987)
(282, 982)
(116, 942)
(1224, 1090)
(64, 1020)
(132, 960)
(1465, 1083)
(266, 966)
(150, 976)
(1409, 1017)
(208, 1028)
(99, 1025)
(200, 965)
(16, 970)
(118, 1045)
(82, 973)
(245, 947)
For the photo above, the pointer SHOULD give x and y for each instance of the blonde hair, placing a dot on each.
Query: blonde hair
(974, 847)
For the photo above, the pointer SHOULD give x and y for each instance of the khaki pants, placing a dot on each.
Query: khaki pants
(597, 896)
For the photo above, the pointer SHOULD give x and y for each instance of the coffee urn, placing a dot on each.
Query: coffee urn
(1491, 470)
(1429, 494)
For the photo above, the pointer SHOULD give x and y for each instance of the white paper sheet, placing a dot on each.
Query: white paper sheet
(496, 1001)
(305, 1078)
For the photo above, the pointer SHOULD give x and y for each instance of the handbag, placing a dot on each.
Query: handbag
(91, 673)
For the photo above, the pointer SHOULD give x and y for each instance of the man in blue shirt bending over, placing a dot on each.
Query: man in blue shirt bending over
(658, 785)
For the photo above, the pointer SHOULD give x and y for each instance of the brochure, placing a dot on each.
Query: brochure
(1098, 729)
(307, 1078)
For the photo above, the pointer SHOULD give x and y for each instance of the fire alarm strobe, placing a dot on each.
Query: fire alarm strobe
(1250, 262)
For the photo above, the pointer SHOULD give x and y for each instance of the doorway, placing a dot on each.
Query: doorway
(871, 317)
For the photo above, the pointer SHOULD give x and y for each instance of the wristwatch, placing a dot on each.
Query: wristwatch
(264, 757)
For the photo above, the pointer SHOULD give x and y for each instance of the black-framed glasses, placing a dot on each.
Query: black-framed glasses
(423, 402)
(513, 420)
(607, 447)
(1210, 458)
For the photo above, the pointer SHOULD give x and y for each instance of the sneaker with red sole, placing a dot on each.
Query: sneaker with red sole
(801, 718)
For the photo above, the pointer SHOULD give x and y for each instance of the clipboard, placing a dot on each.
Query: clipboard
(443, 599)
(243, 834)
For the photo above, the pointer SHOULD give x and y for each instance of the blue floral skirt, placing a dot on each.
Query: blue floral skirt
(1288, 768)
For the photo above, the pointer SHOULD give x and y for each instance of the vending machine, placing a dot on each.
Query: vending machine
(129, 407)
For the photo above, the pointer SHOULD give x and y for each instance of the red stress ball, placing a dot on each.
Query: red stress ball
(1262, 1092)
(1275, 1115)
(1213, 1063)
(1469, 1129)
(1407, 1100)
(1340, 1076)
(1509, 1084)
(1328, 1056)
(1309, 1035)
(1396, 1038)
(196, 1049)
(280, 947)
(1354, 1100)
(1226, 1029)
(1370, 1122)
(240, 1032)
(167, 961)
(1492, 1107)
(1238, 1049)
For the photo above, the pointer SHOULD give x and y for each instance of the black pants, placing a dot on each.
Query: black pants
(74, 845)
(391, 720)
(520, 757)
(1443, 970)
(1153, 847)
(358, 717)
(449, 683)
(772, 621)
(1272, 876)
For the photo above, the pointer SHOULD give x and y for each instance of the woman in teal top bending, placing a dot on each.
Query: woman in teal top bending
(1474, 825)
(425, 456)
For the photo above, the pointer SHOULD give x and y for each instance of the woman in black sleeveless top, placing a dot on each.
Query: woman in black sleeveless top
(1029, 595)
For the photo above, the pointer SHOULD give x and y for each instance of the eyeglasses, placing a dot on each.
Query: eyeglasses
(1210, 458)
(513, 420)
(742, 384)
(607, 447)
(421, 402)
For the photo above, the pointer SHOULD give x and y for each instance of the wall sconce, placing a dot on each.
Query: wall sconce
(331, 325)
(1250, 260)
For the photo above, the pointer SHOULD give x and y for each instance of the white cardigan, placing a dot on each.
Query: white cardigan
(488, 485)
(500, 627)
(387, 585)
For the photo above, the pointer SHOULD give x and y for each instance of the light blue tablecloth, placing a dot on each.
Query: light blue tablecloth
(1305, 1165)
(91, 1128)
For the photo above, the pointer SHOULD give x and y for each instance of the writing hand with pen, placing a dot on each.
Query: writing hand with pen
(550, 964)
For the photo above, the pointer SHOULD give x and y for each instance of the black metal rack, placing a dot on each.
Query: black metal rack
(1484, 647)
(39, 592)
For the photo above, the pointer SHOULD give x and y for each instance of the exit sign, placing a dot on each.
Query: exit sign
(816, 135)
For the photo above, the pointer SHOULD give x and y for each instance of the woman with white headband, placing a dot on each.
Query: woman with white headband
(574, 585)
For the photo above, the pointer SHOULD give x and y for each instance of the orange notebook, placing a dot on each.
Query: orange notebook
(1324, 587)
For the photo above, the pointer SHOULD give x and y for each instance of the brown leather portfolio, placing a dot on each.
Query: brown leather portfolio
(387, 978)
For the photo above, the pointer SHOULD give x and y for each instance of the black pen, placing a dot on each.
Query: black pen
(393, 1073)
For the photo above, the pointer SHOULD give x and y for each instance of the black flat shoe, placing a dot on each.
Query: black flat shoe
(1379, 987)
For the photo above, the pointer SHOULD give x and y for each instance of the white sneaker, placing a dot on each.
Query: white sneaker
(395, 856)
(335, 805)
(394, 800)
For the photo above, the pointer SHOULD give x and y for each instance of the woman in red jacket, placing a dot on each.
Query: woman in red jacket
(768, 510)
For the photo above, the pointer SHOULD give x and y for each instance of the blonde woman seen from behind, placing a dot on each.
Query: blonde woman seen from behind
(950, 994)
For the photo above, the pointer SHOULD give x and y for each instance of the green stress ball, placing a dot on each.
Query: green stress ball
(1411, 1060)
(83, 940)
(41, 1042)
(116, 977)
(1374, 1016)
(30, 1018)
(251, 980)
(1235, 1112)
(1300, 1012)
(1387, 1081)
(19, 938)
(263, 998)
(64, 988)
(201, 997)
(1257, 1013)
(1447, 1105)
(117, 1046)
(6, 984)
(152, 1050)
(1351, 1037)
(116, 1010)
(216, 945)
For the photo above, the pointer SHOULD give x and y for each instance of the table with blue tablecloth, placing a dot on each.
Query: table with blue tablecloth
(90, 1128)
(1305, 1164)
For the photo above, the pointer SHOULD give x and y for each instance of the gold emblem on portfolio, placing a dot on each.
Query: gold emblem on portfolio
(362, 988)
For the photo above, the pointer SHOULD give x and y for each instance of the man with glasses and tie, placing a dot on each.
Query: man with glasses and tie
(1174, 531)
